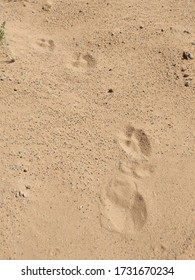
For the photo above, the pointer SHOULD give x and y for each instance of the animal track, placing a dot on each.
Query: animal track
(46, 44)
(123, 207)
(123, 200)
(135, 143)
(84, 61)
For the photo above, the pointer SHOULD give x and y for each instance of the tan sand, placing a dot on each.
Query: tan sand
(97, 133)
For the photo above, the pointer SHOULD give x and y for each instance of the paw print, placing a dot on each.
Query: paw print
(46, 44)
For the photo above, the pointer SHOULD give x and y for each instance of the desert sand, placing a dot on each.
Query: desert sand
(97, 132)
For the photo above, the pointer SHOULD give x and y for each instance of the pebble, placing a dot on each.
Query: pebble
(28, 187)
(110, 90)
(187, 55)
(46, 7)
(193, 43)
(187, 84)
(186, 75)
(190, 56)
(12, 60)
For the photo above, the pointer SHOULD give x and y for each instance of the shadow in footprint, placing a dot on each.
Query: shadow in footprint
(143, 141)
(139, 211)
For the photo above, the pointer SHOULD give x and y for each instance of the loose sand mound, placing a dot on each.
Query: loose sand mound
(97, 130)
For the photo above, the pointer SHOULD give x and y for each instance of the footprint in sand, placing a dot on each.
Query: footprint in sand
(124, 202)
(135, 143)
(83, 61)
(46, 44)
(123, 207)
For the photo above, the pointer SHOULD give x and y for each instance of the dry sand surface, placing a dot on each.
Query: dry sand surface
(97, 130)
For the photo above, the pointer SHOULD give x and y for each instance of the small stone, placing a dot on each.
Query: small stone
(110, 90)
(22, 194)
(193, 43)
(187, 55)
(177, 77)
(28, 187)
(17, 194)
(183, 69)
(187, 84)
(12, 60)
(186, 75)
(46, 7)
(190, 56)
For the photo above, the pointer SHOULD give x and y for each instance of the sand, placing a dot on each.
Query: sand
(97, 130)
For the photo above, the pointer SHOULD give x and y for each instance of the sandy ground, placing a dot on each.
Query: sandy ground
(97, 130)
